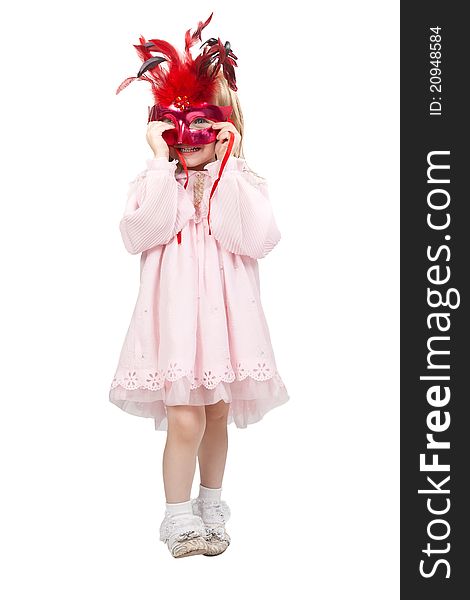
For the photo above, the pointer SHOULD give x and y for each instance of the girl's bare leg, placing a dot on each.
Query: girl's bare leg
(185, 430)
(212, 452)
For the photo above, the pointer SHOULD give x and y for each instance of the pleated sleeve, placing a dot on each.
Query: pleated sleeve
(241, 216)
(157, 208)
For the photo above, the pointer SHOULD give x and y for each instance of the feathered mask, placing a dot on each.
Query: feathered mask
(185, 89)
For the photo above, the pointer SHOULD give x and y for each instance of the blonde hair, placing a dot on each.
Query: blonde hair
(225, 96)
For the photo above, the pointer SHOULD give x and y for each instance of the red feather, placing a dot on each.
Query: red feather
(190, 40)
(179, 74)
(166, 49)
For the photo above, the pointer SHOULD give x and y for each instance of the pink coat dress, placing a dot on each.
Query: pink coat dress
(198, 333)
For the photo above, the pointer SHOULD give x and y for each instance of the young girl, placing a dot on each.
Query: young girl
(197, 355)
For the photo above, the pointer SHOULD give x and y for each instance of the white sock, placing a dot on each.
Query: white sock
(179, 508)
(209, 493)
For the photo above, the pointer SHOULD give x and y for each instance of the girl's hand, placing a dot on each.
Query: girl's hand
(223, 138)
(155, 140)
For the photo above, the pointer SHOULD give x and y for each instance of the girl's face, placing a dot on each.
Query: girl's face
(195, 158)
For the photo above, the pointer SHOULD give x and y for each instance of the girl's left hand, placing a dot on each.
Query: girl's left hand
(223, 138)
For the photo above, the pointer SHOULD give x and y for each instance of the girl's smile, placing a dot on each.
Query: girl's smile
(196, 157)
(188, 148)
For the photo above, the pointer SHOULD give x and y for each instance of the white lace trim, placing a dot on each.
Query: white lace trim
(198, 196)
(200, 213)
(177, 528)
(214, 513)
(150, 379)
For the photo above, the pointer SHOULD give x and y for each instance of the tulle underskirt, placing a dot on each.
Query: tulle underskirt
(249, 399)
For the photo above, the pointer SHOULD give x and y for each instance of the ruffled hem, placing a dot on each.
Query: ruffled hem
(249, 399)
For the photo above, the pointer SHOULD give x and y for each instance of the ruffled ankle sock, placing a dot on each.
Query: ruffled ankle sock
(206, 493)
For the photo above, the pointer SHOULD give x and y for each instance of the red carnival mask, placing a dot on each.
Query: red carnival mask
(183, 119)
(185, 90)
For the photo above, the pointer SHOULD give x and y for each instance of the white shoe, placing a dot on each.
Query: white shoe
(184, 534)
(214, 514)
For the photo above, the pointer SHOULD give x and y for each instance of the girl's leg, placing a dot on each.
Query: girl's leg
(212, 452)
(185, 430)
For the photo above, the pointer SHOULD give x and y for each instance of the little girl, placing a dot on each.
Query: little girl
(197, 354)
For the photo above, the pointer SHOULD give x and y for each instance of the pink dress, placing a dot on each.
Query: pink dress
(198, 333)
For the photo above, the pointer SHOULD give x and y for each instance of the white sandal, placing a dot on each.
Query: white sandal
(184, 534)
(214, 514)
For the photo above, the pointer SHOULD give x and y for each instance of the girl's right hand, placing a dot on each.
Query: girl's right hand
(155, 139)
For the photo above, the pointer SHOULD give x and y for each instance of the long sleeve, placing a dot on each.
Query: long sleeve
(157, 207)
(241, 217)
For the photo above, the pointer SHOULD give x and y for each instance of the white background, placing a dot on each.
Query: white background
(313, 487)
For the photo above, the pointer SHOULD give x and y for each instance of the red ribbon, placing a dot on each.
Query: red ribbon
(222, 167)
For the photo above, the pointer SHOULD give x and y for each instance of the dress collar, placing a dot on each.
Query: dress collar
(182, 174)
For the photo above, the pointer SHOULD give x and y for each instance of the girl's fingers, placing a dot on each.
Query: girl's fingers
(225, 124)
(225, 132)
